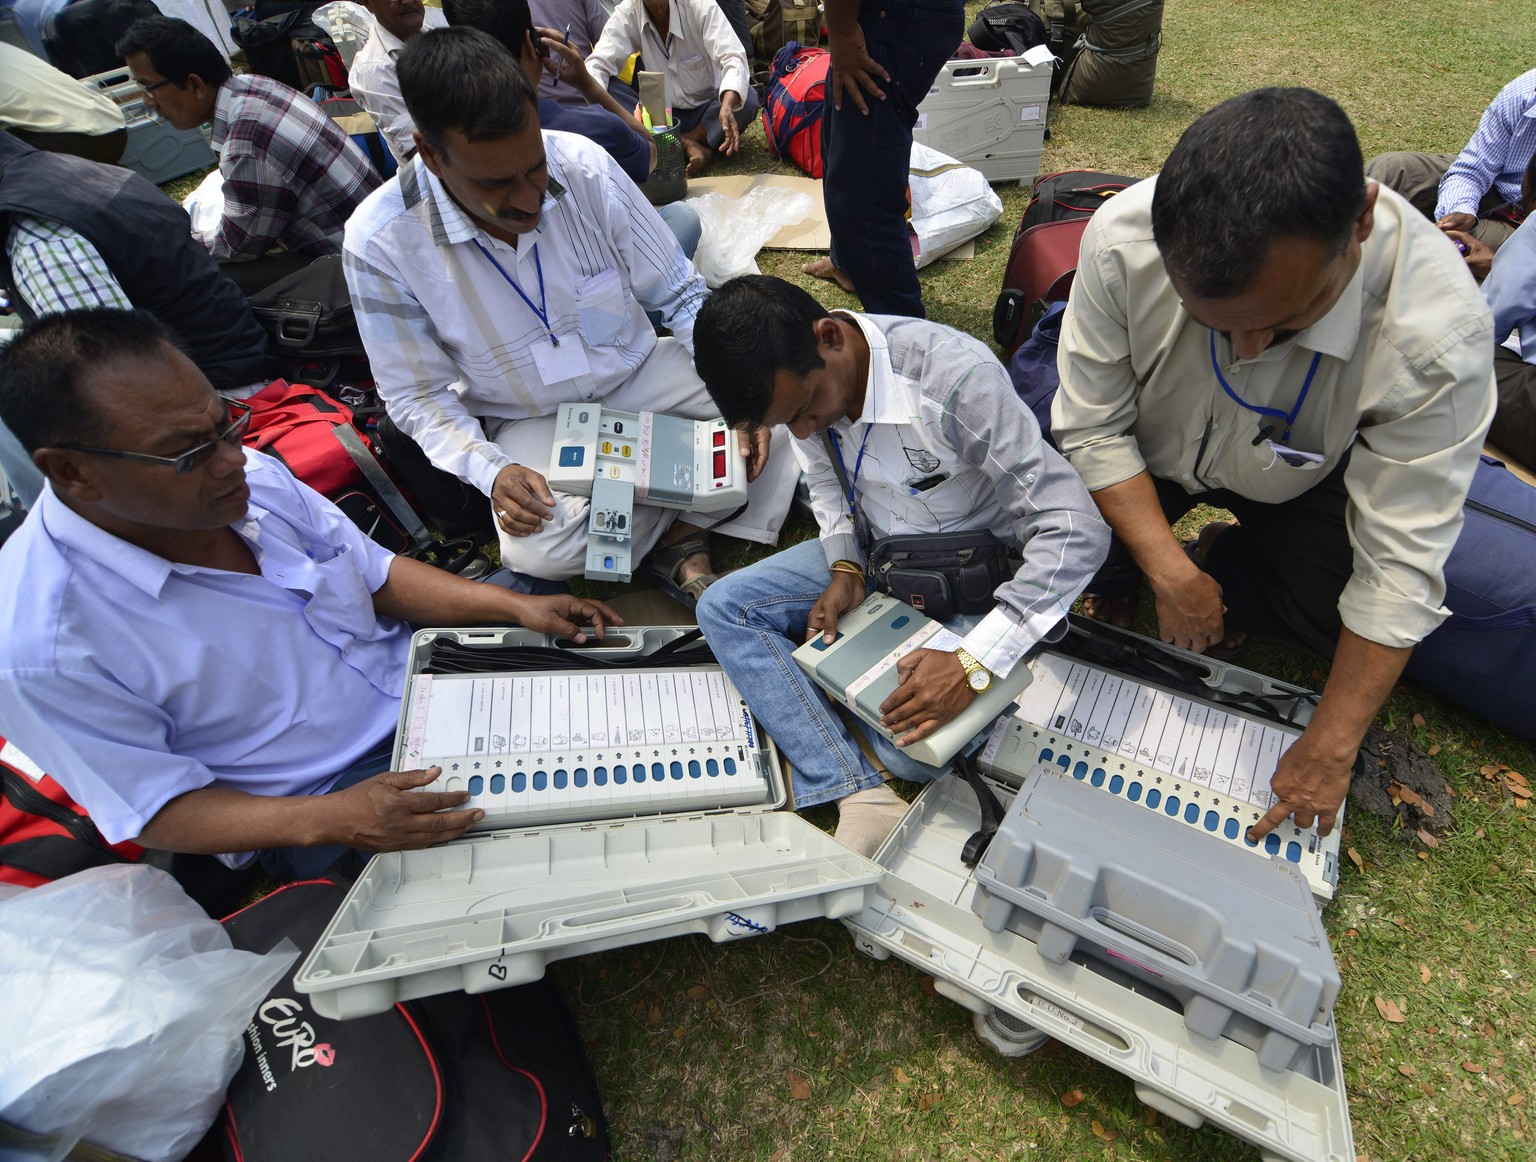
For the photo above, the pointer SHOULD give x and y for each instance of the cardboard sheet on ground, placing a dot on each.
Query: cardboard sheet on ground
(811, 234)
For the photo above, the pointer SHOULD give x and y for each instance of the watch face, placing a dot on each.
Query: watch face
(980, 680)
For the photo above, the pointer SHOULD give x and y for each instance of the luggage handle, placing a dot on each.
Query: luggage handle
(296, 330)
(1144, 936)
(975, 75)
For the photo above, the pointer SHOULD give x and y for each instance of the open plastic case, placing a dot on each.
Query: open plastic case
(928, 910)
(491, 909)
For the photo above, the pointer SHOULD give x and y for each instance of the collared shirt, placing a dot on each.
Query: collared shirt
(449, 339)
(57, 269)
(291, 176)
(133, 680)
(586, 20)
(376, 87)
(1405, 377)
(700, 55)
(1510, 289)
(1496, 155)
(36, 96)
(943, 445)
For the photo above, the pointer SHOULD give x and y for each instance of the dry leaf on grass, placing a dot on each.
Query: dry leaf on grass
(1407, 1070)
(799, 1087)
(900, 1074)
(1515, 1099)
(1471, 1067)
(1518, 789)
(1149, 1116)
(655, 1014)
(1354, 858)
(1072, 1097)
(1418, 720)
(697, 993)
(1389, 1011)
(1427, 839)
(1433, 750)
(1424, 973)
(1101, 1132)
(929, 1100)
(1516, 777)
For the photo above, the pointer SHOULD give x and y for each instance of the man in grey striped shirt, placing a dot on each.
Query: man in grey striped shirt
(931, 439)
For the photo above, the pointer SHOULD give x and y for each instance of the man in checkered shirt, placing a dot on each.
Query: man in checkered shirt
(292, 177)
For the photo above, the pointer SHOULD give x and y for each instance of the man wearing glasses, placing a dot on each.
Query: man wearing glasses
(292, 177)
(1261, 329)
(197, 646)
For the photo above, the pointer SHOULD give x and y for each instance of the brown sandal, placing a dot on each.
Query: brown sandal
(663, 567)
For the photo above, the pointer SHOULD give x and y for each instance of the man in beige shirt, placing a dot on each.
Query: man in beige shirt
(49, 109)
(1260, 329)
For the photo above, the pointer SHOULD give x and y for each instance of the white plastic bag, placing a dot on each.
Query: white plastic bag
(735, 229)
(124, 1006)
(951, 203)
(205, 206)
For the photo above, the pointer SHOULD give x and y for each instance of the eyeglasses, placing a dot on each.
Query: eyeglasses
(192, 458)
(152, 86)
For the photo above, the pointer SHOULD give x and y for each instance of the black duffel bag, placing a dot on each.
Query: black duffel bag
(941, 574)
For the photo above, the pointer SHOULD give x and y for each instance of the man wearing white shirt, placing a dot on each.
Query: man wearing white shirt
(372, 77)
(708, 81)
(504, 272)
(204, 652)
(49, 109)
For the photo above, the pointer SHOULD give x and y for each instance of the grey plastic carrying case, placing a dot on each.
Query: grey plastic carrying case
(493, 908)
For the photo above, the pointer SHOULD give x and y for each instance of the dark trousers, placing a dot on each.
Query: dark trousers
(257, 274)
(1514, 424)
(866, 158)
(105, 148)
(1281, 569)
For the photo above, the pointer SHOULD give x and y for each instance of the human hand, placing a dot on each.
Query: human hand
(1462, 222)
(753, 443)
(845, 592)
(931, 689)
(388, 813)
(1310, 782)
(564, 61)
(1190, 615)
(730, 101)
(563, 615)
(854, 71)
(521, 500)
(1478, 254)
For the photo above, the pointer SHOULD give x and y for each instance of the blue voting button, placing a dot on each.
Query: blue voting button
(572, 455)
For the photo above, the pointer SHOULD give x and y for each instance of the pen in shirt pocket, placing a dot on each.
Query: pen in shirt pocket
(928, 482)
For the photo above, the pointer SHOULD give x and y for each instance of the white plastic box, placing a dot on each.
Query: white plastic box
(490, 910)
(990, 114)
(154, 149)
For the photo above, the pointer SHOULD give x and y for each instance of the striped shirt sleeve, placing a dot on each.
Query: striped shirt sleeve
(57, 269)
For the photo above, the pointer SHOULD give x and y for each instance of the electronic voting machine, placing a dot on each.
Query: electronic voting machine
(1119, 908)
(621, 459)
(629, 795)
(858, 669)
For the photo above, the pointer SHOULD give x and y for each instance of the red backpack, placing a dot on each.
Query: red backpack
(792, 110)
(44, 835)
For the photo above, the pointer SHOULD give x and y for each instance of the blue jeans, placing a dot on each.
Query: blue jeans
(866, 158)
(683, 220)
(754, 619)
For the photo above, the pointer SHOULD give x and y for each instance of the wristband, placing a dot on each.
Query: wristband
(846, 566)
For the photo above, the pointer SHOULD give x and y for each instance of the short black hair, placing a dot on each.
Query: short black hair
(1269, 164)
(45, 371)
(175, 49)
(463, 79)
(507, 21)
(748, 331)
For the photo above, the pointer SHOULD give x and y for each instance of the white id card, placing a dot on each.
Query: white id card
(557, 364)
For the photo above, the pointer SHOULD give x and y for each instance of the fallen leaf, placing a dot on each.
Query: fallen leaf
(1424, 973)
(1487, 1029)
(1418, 720)
(1427, 839)
(1517, 789)
(1100, 1131)
(1480, 833)
(1149, 1115)
(900, 1074)
(1489, 771)
(1497, 1062)
(929, 1100)
(1471, 1067)
(655, 1014)
(1409, 795)
(1073, 1097)
(1433, 750)
(1515, 1099)
(1354, 858)
(1352, 932)
(1432, 1031)
(1428, 808)
(1429, 1090)
(1389, 1011)
(1407, 1070)
(1423, 855)
(799, 1087)
(1521, 803)
(1517, 777)
(697, 993)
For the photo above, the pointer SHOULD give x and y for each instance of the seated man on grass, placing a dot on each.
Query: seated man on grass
(709, 83)
(1261, 329)
(504, 272)
(292, 177)
(204, 652)
(930, 438)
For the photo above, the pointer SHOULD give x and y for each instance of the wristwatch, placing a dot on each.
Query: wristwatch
(976, 675)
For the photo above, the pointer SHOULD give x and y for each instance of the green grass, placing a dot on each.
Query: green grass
(695, 1043)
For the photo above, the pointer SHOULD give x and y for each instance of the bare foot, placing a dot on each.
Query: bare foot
(823, 268)
(699, 156)
(1118, 610)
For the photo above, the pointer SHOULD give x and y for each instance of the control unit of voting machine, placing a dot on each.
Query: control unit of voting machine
(621, 459)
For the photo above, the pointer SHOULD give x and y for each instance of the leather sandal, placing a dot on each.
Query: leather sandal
(664, 565)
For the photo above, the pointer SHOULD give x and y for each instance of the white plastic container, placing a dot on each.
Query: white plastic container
(154, 150)
(990, 114)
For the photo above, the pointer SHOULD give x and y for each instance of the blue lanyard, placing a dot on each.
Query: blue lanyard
(540, 310)
(1285, 437)
(858, 464)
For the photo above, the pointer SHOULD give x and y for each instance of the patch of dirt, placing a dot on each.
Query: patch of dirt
(1390, 763)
